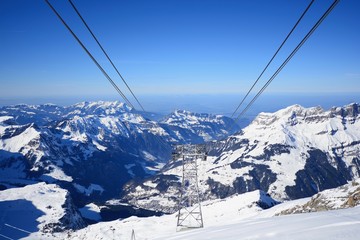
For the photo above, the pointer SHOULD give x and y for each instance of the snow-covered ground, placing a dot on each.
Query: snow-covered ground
(237, 217)
(337, 224)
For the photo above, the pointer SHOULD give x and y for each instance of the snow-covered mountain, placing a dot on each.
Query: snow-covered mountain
(42, 209)
(292, 153)
(186, 127)
(91, 148)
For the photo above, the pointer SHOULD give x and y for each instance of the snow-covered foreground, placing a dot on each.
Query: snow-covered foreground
(337, 224)
(237, 217)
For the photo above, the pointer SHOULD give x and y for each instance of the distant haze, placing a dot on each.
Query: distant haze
(208, 103)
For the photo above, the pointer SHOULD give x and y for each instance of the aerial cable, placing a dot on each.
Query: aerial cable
(103, 50)
(156, 137)
(277, 51)
(91, 56)
(289, 57)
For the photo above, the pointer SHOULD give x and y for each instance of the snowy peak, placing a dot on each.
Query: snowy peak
(47, 113)
(180, 116)
(39, 114)
(202, 126)
(296, 113)
(286, 115)
(103, 105)
(351, 110)
(22, 139)
(103, 109)
(79, 128)
(99, 108)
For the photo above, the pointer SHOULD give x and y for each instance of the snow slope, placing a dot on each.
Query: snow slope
(35, 210)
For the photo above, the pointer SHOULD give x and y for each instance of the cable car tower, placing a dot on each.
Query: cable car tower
(189, 213)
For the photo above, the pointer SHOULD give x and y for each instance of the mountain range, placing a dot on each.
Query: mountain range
(292, 153)
(93, 148)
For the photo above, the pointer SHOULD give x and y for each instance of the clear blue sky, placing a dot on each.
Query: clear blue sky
(176, 47)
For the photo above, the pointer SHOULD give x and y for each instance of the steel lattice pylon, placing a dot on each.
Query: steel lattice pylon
(189, 214)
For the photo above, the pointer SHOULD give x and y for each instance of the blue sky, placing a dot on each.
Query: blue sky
(176, 47)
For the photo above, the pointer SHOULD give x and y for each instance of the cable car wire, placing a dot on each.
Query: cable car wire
(288, 58)
(277, 51)
(91, 56)
(156, 137)
(103, 50)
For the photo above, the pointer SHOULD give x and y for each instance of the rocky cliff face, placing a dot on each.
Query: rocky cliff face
(346, 196)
